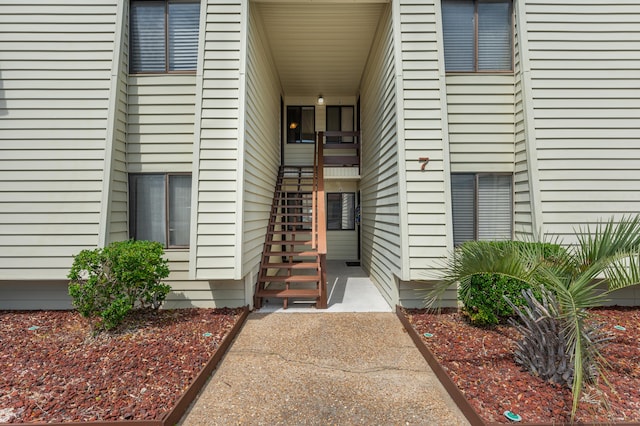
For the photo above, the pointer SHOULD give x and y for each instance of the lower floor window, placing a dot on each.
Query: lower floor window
(160, 208)
(341, 208)
(482, 206)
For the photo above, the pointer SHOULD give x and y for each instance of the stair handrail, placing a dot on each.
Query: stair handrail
(320, 221)
(320, 197)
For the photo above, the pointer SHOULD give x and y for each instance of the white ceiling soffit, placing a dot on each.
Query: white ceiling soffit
(320, 46)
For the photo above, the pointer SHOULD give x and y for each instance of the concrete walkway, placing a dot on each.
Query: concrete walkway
(321, 369)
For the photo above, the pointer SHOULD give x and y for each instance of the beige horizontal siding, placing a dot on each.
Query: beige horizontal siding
(219, 129)
(585, 91)
(117, 228)
(186, 293)
(481, 122)
(379, 185)
(425, 126)
(522, 173)
(55, 68)
(262, 141)
(161, 114)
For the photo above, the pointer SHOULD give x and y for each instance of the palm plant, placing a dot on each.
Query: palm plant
(605, 259)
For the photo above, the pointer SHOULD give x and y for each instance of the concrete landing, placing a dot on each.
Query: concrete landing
(349, 289)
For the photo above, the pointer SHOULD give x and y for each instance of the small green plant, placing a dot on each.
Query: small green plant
(108, 283)
(483, 295)
(482, 298)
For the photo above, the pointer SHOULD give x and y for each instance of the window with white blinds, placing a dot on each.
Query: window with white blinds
(164, 35)
(482, 207)
(478, 35)
(160, 208)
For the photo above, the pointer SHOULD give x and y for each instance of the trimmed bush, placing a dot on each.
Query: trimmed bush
(482, 295)
(108, 283)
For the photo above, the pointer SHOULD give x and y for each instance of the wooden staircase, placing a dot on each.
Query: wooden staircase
(293, 261)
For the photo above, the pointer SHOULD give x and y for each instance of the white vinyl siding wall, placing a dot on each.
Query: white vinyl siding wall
(262, 142)
(522, 205)
(481, 122)
(117, 228)
(160, 139)
(584, 64)
(424, 122)
(216, 170)
(379, 185)
(186, 293)
(55, 69)
(161, 116)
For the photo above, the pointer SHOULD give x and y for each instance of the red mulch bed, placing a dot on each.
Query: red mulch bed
(52, 370)
(480, 362)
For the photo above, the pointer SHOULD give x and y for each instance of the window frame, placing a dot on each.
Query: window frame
(353, 219)
(166, 38)
(289, 121)
(341, 109)
(166, 205)
(476, 38)
(476, 211)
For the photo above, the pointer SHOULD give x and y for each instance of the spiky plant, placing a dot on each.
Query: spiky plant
(543, 350)
(605, 259)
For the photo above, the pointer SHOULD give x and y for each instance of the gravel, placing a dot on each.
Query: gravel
(480, 362)
(53, 370)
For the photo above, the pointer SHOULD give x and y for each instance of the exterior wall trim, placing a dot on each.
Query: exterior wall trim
(446, 154)
(537, 221)
(110, 134)
(197, 126)
(242, 89)
(402, 169)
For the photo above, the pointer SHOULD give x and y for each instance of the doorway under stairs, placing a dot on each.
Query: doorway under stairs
(348, 290)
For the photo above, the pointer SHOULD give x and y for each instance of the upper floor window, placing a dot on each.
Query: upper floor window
(482, 206)
(340, 119)
(164, 35)
(301, 124)
(478, 35)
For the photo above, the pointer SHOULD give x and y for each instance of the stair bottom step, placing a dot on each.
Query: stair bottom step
(284, 293)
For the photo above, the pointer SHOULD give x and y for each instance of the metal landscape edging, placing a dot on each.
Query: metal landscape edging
(456, 394)
(179, 409)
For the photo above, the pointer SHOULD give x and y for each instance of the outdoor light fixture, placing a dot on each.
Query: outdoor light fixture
(320, 100)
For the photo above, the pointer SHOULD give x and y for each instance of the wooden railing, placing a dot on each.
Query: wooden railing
(319, 236)
(349, 152)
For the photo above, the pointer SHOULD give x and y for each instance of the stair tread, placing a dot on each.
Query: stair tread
(291, 231)
(295, 292)
(289, 278)
(289, 243)
(292, 253)
(294, 265)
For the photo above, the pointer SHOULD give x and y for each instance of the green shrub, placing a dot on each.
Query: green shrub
(108, 283)
(482, 294)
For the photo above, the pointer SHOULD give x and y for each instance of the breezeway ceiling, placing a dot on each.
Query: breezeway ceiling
(320, 46)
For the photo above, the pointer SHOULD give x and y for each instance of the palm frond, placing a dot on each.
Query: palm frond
(608, 239)
(479, 257)
(623, 271)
